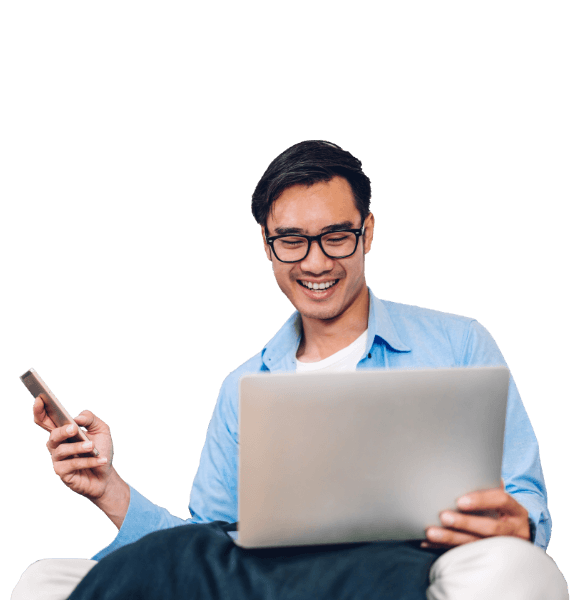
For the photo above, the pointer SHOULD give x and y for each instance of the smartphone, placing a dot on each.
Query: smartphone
(53, 407)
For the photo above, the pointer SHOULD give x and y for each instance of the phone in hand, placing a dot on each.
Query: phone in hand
(53, 407)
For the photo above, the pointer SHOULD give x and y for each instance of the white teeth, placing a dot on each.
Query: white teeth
(318, 286)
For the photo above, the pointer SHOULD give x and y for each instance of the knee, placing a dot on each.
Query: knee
(32, 580)
(51, 579)
(507, 555)
(499, 567)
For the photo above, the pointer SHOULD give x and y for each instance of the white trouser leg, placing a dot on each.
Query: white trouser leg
(51, 578)
(496, 568)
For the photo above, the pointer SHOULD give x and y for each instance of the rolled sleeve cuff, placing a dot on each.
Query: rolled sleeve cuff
(142, 517)
(539, 519)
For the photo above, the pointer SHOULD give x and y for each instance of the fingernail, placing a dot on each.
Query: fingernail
(102, 460)
(70, 429)
(464, 502)
(87, 445)
(434, 534)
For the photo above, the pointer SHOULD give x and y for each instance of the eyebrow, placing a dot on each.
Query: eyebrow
(299, 231)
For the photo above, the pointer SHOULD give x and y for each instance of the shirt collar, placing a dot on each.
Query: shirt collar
(380, 325)
(280, 352)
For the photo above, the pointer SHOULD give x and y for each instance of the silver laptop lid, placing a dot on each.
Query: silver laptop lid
(364, 456)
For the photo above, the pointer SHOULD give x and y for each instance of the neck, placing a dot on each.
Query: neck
(323, 337)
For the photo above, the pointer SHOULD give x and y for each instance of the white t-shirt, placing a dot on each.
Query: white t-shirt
(345, 359)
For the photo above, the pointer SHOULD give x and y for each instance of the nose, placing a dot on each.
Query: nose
(316, 261)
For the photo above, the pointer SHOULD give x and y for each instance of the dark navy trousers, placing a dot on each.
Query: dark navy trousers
(201, 561)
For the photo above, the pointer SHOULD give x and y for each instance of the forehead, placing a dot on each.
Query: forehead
(314, 207)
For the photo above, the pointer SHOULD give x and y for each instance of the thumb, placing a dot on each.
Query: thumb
(89, 420)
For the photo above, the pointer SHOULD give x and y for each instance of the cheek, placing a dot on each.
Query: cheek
(281, 275)
(356, 273)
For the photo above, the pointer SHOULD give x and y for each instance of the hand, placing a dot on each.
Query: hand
(464, 526)
(86, 475)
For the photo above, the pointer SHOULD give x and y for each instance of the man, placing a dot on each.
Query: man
(313, 207)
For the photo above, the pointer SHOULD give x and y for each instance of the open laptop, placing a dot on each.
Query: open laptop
(364, 456)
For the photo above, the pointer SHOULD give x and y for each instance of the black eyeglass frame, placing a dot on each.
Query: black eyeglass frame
(315, 238)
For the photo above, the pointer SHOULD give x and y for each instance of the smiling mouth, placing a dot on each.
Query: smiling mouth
(317, 287)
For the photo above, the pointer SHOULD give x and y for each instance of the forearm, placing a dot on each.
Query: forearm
(115, 500)
(143, 517)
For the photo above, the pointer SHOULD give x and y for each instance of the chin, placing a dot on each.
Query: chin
(321, 315)
(324, 313)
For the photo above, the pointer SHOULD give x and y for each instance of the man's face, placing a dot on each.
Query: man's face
(310, 211)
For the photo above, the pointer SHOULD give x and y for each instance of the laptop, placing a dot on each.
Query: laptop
(327, 458)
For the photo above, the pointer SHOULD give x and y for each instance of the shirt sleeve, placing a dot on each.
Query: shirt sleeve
(143, 517)
(214, 490)
(521, 468)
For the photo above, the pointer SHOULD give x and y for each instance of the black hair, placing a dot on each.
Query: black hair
(307, 163)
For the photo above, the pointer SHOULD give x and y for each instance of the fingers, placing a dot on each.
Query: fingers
(64, 468)
(86, 418)
(64, 451)
(60, 434)
(38, 408)
(41, 418)
(494, 499)
(441, 537)
(66, 459)
(459, 528)
(504, 516)
(92, 423)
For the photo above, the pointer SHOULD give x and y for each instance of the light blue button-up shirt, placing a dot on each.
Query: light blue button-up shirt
(399, 337)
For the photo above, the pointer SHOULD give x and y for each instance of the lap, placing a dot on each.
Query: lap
(202, 561)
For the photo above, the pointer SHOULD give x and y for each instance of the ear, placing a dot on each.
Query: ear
(265, 244)
(368, 233)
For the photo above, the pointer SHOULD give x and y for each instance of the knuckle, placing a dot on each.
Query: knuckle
(496, 528)
(65, 468)
(445, 537)
(61, 454)
(438, 535)
(85, 414)
(54, 439)
(505, 495)
(57, 435)
(89, 415)
(76, 464)
(504, 501)
(62, 451)
(56, 454)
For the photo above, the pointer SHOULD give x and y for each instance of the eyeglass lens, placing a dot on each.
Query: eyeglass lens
(295, 248)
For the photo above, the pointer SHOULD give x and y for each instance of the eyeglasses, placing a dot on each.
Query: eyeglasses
(335, 244)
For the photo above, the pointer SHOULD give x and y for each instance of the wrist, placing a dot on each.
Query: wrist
(114, 501)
